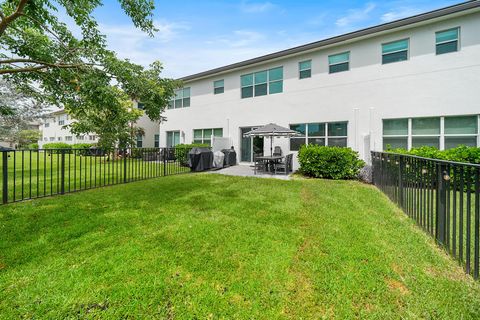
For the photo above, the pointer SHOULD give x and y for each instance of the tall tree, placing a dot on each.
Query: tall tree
(19, 111)
(42, 57)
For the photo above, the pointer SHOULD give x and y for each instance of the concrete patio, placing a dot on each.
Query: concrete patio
(245, 170)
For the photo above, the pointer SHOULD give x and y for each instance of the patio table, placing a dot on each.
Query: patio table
(270, 160)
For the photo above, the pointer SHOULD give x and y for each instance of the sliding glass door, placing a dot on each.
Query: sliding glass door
(250, 145)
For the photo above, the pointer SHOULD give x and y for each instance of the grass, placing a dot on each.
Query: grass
(38, 174)
(209, 246)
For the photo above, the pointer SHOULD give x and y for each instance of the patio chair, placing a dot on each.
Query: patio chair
(258, 165)
(286, 165)
(277, 151)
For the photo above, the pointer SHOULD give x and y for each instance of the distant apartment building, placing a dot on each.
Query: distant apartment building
(407, 83)
(53, 129)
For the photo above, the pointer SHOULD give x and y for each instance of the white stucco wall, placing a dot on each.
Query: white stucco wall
(425, 85)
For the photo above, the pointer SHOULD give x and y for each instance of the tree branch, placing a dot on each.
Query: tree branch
(7, 20)
(38, 68)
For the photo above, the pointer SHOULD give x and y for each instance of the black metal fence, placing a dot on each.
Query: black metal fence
(442, 197)
(29, 174)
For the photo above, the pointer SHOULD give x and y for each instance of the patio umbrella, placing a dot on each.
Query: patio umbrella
(272, 130)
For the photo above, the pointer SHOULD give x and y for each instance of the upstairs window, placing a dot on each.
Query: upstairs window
(339, 62)
(47, 124)
(395, 51)
(305, 69)
(61, 120)
(156, 141)
(447, 41)
(218, 87)
(181, 99)
(262, 83)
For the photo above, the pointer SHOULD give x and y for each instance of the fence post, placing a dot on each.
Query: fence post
(441, 203)
(125, 165)
(5, 177)
(401, 164)
(372, 157)
(62, 172)
(165, 155)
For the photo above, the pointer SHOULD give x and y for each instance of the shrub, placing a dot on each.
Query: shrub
(182, 150)
(83, 148)
(57, 145)
(32, 146)
(458, 154)
(329, 162)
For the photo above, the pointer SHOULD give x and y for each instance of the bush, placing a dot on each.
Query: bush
(329, 162)
(182, 150)
(32, 146)
(83, 148)
(458, 154)
(57, 145)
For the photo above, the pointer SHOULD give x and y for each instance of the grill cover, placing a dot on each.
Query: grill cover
(230, 157)
(218, 159)
(200, 159)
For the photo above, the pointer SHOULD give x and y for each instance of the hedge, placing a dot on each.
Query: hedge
(329, 162)
(182, 150)
(32, 146)
(458, 154)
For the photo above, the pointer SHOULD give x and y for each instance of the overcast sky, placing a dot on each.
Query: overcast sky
(198, 35)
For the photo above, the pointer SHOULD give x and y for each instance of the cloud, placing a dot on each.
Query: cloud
(256, 7)
(355, 16)
(242, 38)
(399, 13)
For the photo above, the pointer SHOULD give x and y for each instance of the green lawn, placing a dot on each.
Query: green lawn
(209, 246)
(38, 174)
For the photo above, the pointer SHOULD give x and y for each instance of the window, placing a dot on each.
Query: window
(462, 130)
(322, 134)
(218, 87)
(45, 139)
(447, 41)
(47, 124)
(59, 138)
(61, 120)
(305, 69)
(156, 141)
(68, 138)
(92, 137)
(395, 134)
(262, 83)
(438, 132)
(80, 137)
(140, 106)
(426, 132)
(395, 51)
(205, 135)
(181, 99)
(139, 141)
(52, 138)
(173, 138)
(339, 62)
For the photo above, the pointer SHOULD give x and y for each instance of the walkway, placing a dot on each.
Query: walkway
(244, 170)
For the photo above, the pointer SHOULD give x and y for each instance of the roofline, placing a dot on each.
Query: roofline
(464, 6)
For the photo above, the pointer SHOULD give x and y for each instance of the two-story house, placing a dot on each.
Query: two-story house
(406, 83)
(53, 128)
